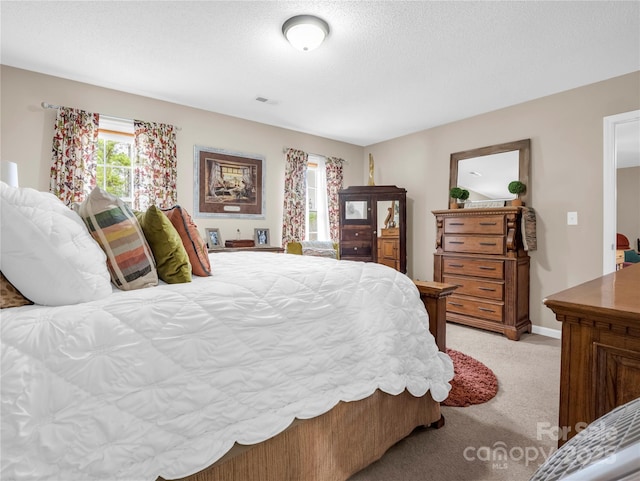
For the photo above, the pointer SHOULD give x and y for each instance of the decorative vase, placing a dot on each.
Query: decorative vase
(517, 202)
(453, 205)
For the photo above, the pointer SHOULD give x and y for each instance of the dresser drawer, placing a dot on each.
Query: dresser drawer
(491, 311)
(472, 287)
(473, 267)
(355, 249)
(477, 244)
(357, 233)
(486, 224)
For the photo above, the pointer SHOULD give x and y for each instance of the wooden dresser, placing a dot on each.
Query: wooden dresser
(600, 363)
(481, 251)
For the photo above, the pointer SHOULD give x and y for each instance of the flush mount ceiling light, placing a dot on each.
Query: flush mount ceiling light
(305, 32)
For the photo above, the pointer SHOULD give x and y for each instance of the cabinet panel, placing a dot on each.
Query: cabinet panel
(617, 372)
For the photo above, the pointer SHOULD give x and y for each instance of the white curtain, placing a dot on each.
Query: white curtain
(324, 233)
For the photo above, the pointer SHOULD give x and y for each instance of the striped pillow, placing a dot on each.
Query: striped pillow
(114, 226)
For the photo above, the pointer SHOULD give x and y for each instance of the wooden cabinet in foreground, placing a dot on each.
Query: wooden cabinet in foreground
(481, 251)
(600, 360)
(373, 225)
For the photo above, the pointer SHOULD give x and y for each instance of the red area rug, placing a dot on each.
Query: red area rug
(472, 383)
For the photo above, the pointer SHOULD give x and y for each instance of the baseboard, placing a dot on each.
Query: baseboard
(545, 331)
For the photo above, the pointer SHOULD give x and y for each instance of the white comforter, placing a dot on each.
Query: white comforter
(162, 381)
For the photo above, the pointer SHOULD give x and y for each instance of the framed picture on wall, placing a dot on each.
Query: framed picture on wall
(261, 237)
(214, 241)
(228, 184)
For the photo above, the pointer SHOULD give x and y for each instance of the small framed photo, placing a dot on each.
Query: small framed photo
(261, 237)
(214, 241)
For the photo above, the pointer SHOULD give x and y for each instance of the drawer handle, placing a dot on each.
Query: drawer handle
(456, 242)
(455, 304)
(457, 223)
(356, 234)
(456, 265)
(488, 244)
(488, 223)
(484, 309)
(355, 248)
(485, 268)
(487, 289)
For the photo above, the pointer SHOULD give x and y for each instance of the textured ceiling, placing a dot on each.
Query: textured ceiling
(386, 69)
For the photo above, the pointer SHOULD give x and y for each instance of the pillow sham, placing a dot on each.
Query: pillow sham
(172, 260)
(193, 242)
(10, 296)
(46, 251)
(114, 226)
(318, 252)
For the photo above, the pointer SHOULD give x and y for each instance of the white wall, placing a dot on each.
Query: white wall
(27, 132)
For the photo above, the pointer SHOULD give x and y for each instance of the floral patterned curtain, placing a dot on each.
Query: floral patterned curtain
(333, 167)
(73, 170)
(154, 176)
(295, 196)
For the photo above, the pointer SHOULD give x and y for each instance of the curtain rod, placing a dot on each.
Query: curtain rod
(47, 105)
(284, 151)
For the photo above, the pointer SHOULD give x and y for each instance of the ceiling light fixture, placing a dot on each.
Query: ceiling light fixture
(305, 32)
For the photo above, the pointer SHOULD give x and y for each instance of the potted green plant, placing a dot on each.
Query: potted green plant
(516, 187)
(458, 194)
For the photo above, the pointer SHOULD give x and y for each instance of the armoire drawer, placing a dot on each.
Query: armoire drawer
(491, 311)
(357, 234)
(494, 245)
(488, 224)
(473, 267)
(472, 287)
(352, 249)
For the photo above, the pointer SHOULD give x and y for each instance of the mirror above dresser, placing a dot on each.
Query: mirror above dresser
(487, 171)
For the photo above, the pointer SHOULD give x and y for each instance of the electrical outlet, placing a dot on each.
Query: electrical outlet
(572, 218)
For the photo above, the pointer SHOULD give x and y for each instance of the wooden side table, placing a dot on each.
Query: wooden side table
(434, 296)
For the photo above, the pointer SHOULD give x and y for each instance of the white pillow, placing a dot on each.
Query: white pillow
(46, 250)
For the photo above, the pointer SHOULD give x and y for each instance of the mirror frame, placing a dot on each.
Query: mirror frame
(524, 165)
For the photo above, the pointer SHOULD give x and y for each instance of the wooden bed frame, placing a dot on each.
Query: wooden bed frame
(344, 440)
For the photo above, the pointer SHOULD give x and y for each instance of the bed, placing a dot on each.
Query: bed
(274, 367)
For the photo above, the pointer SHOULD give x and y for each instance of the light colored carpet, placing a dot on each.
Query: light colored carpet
(504, 439)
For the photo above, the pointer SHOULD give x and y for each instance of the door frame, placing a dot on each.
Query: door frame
(609, 190)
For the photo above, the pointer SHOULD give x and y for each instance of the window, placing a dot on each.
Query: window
(312, 203)
(114, 158)
(317, 227)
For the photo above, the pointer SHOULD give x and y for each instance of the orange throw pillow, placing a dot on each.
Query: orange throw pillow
(193, 242)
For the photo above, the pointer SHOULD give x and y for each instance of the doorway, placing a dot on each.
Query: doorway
(611, 140)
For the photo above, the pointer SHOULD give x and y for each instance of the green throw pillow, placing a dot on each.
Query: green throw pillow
(294, 248)
(172, 261)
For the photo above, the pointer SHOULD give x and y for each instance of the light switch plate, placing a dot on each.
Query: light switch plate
(572, 218)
